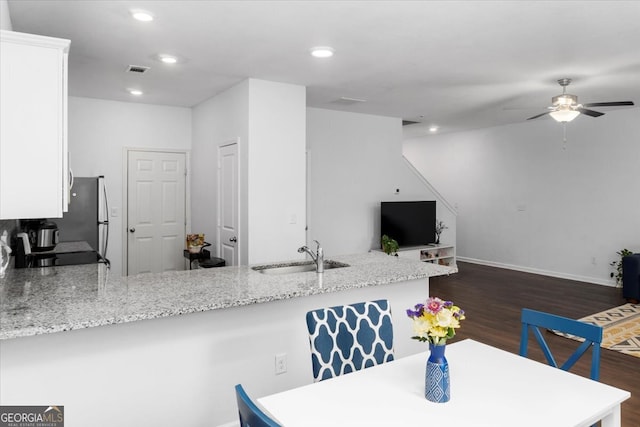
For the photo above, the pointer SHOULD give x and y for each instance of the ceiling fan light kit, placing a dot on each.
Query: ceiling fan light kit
(564, 115)
(565, 107)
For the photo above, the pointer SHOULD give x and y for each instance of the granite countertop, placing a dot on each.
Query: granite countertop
(52, 299)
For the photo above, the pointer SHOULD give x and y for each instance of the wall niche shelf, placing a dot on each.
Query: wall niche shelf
(441, 254)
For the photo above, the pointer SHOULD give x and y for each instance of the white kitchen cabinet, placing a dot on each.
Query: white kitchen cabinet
(33, 126)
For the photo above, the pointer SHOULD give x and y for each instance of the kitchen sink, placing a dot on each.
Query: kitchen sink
(296, 267)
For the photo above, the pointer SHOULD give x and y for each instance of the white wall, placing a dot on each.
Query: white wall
(5, 17)
(526, 201)
(219, 121)
(98, 132)
(355, 162)
(277, 188)
(267, 120)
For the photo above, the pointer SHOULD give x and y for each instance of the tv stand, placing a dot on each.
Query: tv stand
(441, 254)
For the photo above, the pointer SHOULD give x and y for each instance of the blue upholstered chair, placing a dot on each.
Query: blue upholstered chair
(250, 414)
(534, 320)
(347, 338)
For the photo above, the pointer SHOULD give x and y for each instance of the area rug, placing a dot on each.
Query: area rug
(621, 328)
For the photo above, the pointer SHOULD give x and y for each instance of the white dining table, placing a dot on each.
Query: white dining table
(489, 388)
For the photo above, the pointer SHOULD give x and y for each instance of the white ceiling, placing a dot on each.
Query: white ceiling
(457, 64)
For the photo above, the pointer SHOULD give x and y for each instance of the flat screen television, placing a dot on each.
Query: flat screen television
(409, 223)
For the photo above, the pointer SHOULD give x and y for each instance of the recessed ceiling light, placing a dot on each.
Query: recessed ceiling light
(433, 128)
(142, 15)
(135, 92)
(168, 59)
(322, 52)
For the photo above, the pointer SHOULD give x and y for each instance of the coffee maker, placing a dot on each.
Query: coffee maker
(43, 235)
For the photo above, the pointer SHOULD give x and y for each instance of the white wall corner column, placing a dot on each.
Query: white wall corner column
(276, 170)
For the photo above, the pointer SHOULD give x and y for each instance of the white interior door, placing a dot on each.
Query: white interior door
(228, 203)
(156, 193)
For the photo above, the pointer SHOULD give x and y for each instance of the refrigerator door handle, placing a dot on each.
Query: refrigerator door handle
(103, 218)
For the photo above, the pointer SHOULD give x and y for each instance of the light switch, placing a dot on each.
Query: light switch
(293, 219)
(115, 211)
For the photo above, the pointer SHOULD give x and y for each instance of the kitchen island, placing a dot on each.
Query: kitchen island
(166, 349)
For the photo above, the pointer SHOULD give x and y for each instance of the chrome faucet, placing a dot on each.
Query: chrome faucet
(318, 257)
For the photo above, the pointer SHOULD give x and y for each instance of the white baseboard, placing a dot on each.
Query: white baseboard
(596, 281)
(230, 424)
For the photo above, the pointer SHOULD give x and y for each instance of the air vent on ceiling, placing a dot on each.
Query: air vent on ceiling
(408, 122)
(343, 100)
(140, 69)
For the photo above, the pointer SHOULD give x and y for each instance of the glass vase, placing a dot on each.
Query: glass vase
(436, 388)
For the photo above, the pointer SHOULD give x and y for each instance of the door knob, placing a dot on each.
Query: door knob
(233, 239)
(132, 230)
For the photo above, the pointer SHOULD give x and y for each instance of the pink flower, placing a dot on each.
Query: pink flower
(434, 305)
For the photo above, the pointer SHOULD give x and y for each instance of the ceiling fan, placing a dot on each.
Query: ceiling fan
(565, 107)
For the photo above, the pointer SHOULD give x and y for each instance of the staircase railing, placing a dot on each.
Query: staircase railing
(431, 188)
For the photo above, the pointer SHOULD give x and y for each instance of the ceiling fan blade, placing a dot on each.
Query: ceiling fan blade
(538, 115)
(609, 104)
(590, 112)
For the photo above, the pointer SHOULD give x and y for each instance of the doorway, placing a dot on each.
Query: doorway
(228, 209)
(156, 195)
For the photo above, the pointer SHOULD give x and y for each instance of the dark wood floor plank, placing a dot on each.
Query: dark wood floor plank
(493, 299)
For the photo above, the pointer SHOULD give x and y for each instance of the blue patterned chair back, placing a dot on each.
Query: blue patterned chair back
(347, 338)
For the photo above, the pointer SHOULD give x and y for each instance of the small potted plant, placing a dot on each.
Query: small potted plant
(440, 227)
(389, 245)
(618, 265)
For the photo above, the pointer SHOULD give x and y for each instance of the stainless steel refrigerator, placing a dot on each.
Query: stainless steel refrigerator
(87, 219)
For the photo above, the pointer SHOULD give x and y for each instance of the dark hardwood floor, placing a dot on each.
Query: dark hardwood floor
(493, 298)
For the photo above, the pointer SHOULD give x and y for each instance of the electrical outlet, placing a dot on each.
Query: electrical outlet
(281, 363)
